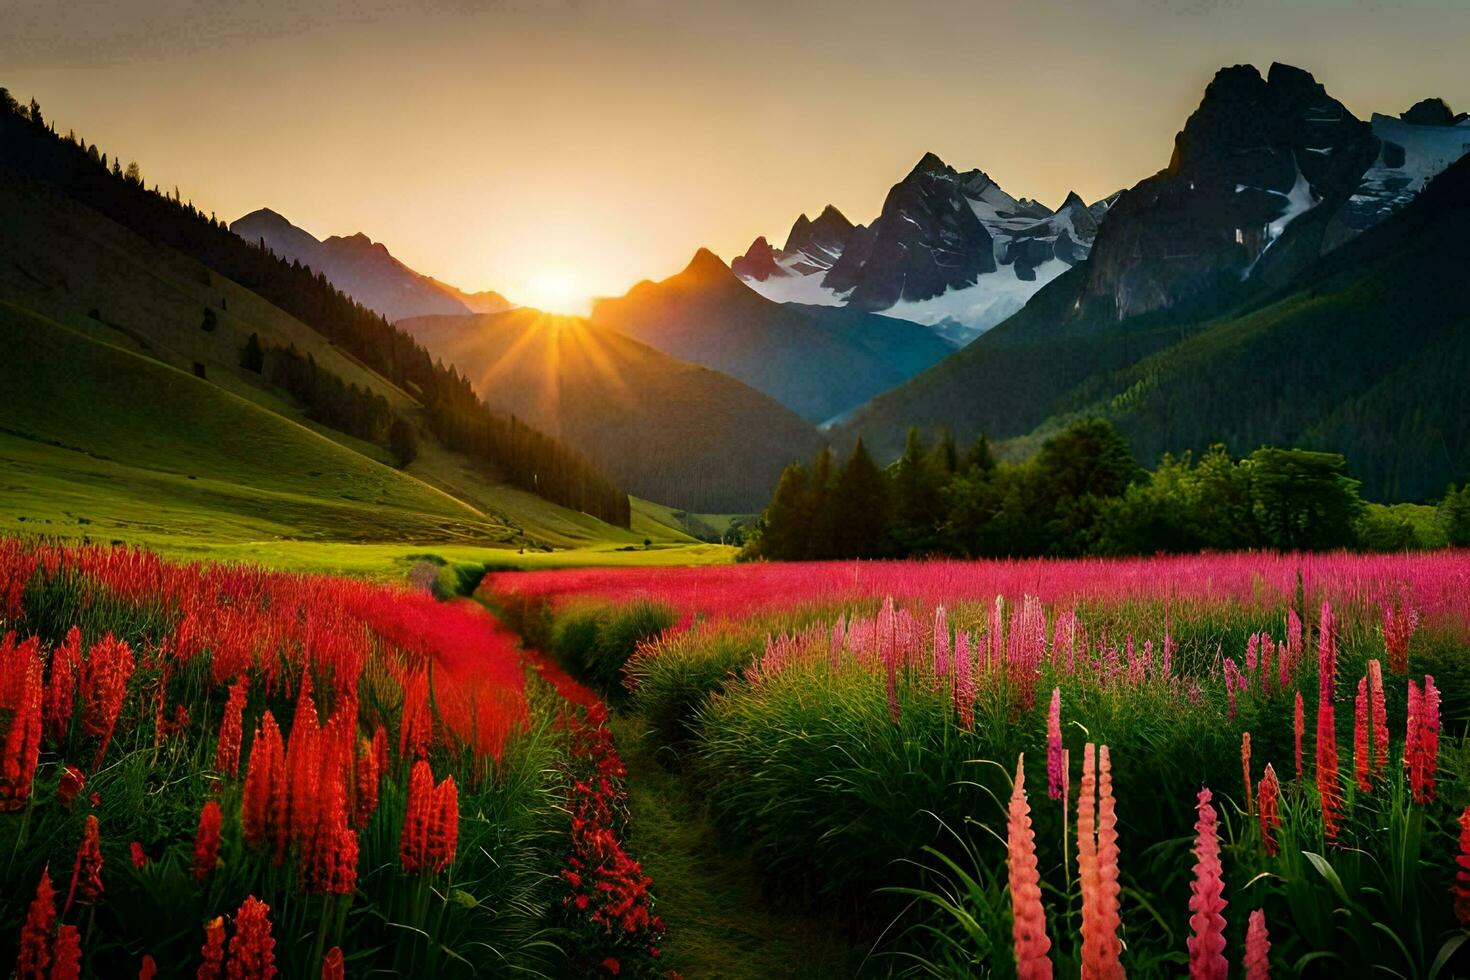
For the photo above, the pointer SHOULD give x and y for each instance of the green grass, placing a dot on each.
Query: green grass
(105, 433)
(103, 443)
(720, 923)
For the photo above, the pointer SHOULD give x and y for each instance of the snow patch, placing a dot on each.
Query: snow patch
(961, 315)
(798, 289)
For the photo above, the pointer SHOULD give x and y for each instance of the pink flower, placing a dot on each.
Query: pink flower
(1028, 916)
(1207, 899)
(1055, 777)
(1245, 768)
(1257, 948)
(1298, 723)
(1380, 718)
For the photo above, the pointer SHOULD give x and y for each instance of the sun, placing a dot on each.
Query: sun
(557, 291)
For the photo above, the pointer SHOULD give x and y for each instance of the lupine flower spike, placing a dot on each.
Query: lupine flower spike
(1207, 899)
(1379, 710)
(252, 950)
(206, 840)
(35, 935)
(1028, 916)
(1245, 769)
(1054, 775)
(1257, 948)
(1268, 803)
(1462, 873)
(212, 954)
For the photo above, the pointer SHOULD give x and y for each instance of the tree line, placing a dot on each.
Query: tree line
(338, 404)
(1081, 494)
(30, 148)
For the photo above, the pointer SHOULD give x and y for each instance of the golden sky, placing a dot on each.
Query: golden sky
(489, 142)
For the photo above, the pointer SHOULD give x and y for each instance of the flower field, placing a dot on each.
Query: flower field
(1231, 765)
(220, 771)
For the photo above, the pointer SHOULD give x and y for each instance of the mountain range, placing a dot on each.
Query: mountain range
(668, 430)
(950, 250)
(819, 361)
(1291, 275)
(364, 270)
(1244, 235)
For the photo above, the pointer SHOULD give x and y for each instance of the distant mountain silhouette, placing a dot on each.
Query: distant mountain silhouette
(671, 431)
(364, 270)
(818, 361)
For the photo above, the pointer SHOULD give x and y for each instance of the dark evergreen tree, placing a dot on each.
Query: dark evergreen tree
(403, 441)
(252, 358)
(861, 526)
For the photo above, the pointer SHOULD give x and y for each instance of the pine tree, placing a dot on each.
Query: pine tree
(788, 518)
(862, 508)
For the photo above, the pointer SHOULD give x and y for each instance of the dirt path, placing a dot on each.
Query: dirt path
(719, 925)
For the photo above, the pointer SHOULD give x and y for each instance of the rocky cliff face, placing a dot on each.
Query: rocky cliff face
(1256, 174)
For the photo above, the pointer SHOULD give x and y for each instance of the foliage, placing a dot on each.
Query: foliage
(1081, 494)
(457, 417)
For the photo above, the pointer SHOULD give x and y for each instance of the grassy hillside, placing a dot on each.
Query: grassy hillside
(668, 430)
(106, 433)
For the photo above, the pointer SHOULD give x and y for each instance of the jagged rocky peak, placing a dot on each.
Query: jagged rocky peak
(1261, 160)
(829, 232)
(1432, 112)
(930, 163)
(759, 262)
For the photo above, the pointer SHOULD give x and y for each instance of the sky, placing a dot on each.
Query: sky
(574, 147)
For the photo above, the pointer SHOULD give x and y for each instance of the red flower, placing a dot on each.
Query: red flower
(61, 686)
(303, 766)
(1207, 900)
(264, 810)
(140, 856)
(1380, 718)
(417, 816)
(1423, 744)
(227, 752)
(368, 777)
(1462, 873)
(332, 968)
(252, 950)
(206, 840)
(21, 693)
(443, 836)
(1269, 801)
(104, 685)
(86, 877)
(612, 966)
(35, 934)
(148, 969)
(72, 781)
(66, 958)
(213, 952)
